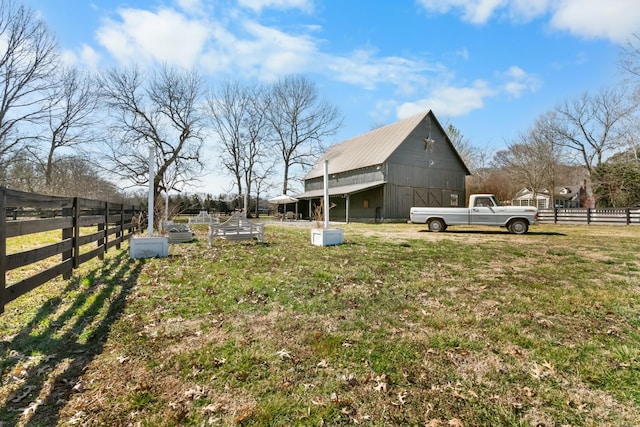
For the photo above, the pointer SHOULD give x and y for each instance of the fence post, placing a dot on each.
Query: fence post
(76, 233)
(555, 215)
(588, 216)
(3, 246)
(107, 207)
(628, 216)
(120, 227)
(67, 233)
(103, 226)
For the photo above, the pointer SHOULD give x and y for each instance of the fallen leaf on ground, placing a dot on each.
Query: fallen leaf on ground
(284, 354)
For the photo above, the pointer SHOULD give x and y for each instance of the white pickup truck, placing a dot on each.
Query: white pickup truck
(483, 210)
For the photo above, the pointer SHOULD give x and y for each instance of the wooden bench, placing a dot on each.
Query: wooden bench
(237, 228)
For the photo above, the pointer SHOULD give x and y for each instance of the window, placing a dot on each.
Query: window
(454, 200)
(483, 202)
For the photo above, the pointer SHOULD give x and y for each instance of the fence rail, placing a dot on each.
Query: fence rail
(88, 228)
(624, 216)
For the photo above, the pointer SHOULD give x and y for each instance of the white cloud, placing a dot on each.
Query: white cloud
(615, 20)
(475, 11)
(89, 56)
(164, 36)
(238, 47)
(244, 48)
(526, 10)
(190, 5)
(265, 53)
(463, 53)
(258, 5)
(516, 81)
(86, 57)
(364, 69)
(453, 101)
(449, 101)
(268, 53)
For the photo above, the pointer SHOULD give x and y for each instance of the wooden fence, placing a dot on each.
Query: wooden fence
(624, 216)
(24, 214)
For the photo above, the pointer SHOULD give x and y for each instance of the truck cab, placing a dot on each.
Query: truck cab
(483, 209)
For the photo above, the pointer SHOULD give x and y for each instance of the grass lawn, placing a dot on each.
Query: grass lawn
(398, 326)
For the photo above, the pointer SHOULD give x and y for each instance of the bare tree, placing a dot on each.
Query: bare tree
(630, 64)
(301, 121)
(70, 119)
(531, 160)
(161, 112)
(28, 54)
(630, 57)
(480, 171)
(229, 107)
(498, 182)
(22, 174)
(258, 162)
(467, 152)
(239, 118)
(77, 176)
(592, 125)
(261, 179)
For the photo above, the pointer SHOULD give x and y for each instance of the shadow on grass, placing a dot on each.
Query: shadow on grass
(494, 232)
(64, 342)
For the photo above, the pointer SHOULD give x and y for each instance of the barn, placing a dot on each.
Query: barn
(379, 175)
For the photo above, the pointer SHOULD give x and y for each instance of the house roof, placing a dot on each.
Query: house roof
(567, 192)
(561, 192)
(371, 148)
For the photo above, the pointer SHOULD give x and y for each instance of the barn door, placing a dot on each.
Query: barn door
(435, 198)
(422, 197)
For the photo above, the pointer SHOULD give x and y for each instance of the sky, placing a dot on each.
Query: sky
(489, 67)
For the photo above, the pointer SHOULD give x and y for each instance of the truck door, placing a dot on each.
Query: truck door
(483, 212)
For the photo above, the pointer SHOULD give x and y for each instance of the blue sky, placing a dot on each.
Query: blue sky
(490, 67)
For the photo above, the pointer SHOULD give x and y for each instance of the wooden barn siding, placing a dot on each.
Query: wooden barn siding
(415, 165)
(359, 176)
(421, 177)
(357, 210)
(399, 201)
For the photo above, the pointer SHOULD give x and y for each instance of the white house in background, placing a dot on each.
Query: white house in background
(565, 197)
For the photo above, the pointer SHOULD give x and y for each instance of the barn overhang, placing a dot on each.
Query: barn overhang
(343, 190)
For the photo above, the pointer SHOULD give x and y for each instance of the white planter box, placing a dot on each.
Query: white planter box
(327, 236)
(180, 236)
(149, 247)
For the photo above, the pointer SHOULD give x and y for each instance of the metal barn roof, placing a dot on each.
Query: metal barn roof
(369, 149)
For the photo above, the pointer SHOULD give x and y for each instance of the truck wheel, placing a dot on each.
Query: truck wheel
(518, 226)
(437, 225)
